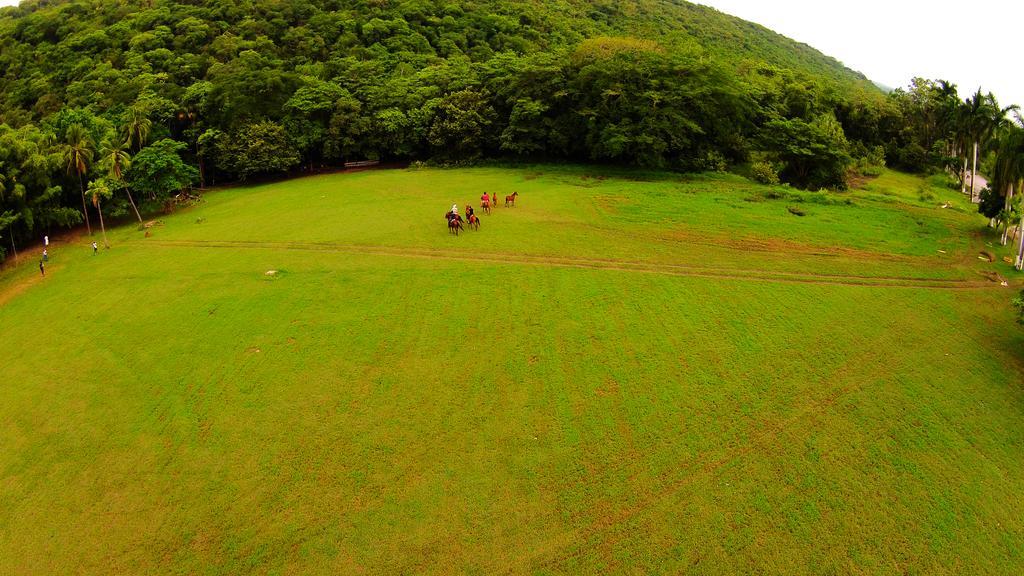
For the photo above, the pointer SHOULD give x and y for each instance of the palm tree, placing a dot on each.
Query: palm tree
(115, 158)
(1008, 175)
(7, 220)
(1003, 220)
(974, 118)
(982, 119)
(947, 104)
(960, 115)
(79, 153)
(136, 127)
(98, 189)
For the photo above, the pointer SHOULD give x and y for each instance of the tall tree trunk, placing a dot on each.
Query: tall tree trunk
(132, 200)
(974, 168)
(1020, 249)
(13, 247)
(99, 208)
(85, 211)
(963, 177)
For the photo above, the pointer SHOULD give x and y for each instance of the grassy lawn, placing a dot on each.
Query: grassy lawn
(625, 373)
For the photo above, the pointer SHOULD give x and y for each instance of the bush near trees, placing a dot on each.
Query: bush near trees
(248, 90)
(258, 148)
(764, 173)
(159, 173)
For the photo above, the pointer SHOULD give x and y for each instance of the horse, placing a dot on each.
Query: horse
(474, 222)
(511, 200)
(485, 205)
(454, 223)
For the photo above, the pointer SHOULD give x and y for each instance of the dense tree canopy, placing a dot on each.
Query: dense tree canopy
(206, 91)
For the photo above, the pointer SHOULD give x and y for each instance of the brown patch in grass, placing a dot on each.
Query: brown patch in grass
(777, 245)
(610, 388)
(992, 275)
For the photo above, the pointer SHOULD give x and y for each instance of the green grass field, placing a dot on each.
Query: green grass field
(626, 373)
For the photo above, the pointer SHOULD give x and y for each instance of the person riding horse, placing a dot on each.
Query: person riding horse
(453, 214)
(454, 220)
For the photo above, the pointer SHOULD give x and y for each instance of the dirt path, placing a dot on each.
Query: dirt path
(599, 264)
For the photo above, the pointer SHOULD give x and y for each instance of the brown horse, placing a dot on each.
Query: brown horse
(511, 200)
(474, 222)
(454, 223)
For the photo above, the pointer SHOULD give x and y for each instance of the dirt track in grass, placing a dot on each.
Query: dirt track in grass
(599, 264)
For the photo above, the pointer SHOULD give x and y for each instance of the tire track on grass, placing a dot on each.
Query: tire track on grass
(600, 533)
(683, 270)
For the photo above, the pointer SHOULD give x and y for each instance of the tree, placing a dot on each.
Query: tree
(7, 220)
(258, 148)
(346, 128)
(461, 127)
(115, 158)
(526, 132)
(98, 190)
(206, 149)
(813, 153)
(136, 128)
(1007, 176)
(1018, 306)
(78, 154)
(159, 172)
(981, 118)
(308, 113)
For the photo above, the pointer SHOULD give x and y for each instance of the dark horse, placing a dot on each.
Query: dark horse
(511, 200)
(474, 222)
(454, 223)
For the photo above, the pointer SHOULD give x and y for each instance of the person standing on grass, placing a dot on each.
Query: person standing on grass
(42, 269)
(46, 255)
(94, 248)
(46, 241)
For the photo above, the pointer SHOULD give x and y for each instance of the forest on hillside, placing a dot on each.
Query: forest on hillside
(116, 108)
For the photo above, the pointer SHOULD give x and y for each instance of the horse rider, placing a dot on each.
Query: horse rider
(469, 213)
(455, 211)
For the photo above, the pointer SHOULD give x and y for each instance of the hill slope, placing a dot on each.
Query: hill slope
(66, 39)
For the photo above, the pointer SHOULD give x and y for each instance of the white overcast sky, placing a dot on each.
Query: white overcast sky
(970, 43)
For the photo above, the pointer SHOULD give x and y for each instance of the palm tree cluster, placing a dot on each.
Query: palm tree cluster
(978, 122)
(80, 152)
(1008, 177)
(966, 129)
